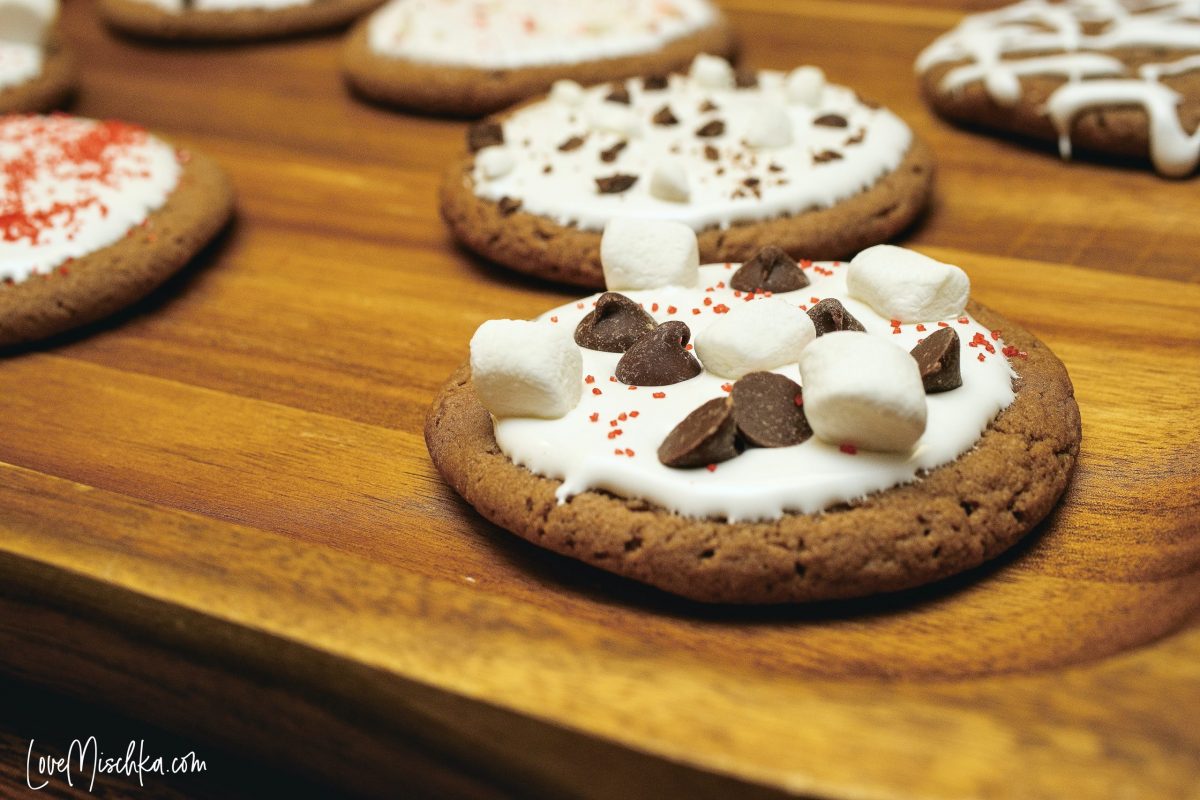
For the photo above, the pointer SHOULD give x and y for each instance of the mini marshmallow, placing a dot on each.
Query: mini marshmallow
(757, 336)
(495, 162)
(769, 125)
(907, 286)
(864, 391)
(712, 72)
(648, 254)
(614, 118)
(526, 369)
(26, 21)
(805, 86)
(669, 181)
(567, 92)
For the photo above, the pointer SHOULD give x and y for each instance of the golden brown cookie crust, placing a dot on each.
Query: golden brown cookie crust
(955, 518)
(50, 89)
(119, 275)
(540, 246)
(143, 19)
(472, 92)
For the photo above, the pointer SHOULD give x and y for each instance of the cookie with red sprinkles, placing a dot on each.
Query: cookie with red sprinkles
(95, 215)
(228, 20)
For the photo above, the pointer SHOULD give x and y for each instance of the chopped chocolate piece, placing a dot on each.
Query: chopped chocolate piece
(825, 156)
(831, 121)
(574, 143)
(746, 79)
(769, 410)
(654, 83)
(658, 357)
(708, 105)
(613, 325)
(830, 315)
(508, 206)
(711, 153)
(714, 128)
(610, 155)
(706, 436)
(615, 184)
(857, 138)
(619, 94)
(484, 134)
(773, 167)
(546, 170)
(664, 116)
(938, 359)
(771, 270)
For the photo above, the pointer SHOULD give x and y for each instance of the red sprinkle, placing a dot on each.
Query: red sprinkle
(671, 309)
(589, 379)
(597, 391)
(554, 319)
(982, 357)
(799, 399)
(622, 416)
(696, 310)
(920, 328)
(659, 395)
(594, 417)
(708, 301)
(849, 449)
(963, 320)
(943, 324)
(727, 387)
(654, 306)
(895, 323)
(711, 468)
(635, 414)
(629, 452)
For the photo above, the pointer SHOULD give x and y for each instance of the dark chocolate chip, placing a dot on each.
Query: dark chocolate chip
(664, 116)
(484, 134)
(706, 436)
(714, 128)
(775, 168)
(654, 83)
(658, 357)
(826, 156)
(938, 359)
(830, 315)
(769, 410)
(508, 206)
(615, 184)
(574, 143)
(711, 153)
(746, 78)
(613, 325)
(857, 138)
(831, 121)
(708, 105)
(771, 270)
(618, 94)
(610, 155)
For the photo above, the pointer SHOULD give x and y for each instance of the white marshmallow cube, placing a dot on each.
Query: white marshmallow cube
(526, 369)
(614, 118)
(760, 335)
(648, 254)
(26, 21)
(864, 391)
(905, 285)
(712, 72)
(669, 182)
(769, 125)
(495, 162)
(805, 86)
(567, 92)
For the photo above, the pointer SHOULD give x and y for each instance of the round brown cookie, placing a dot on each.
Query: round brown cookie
(473, 92)
(144, 19)
(956, 517)
(47, 91)
(109, 279)
(540, 246)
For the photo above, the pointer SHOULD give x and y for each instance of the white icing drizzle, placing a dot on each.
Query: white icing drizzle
(19, 63)
(509, 34)
(994, 45)
(760, 483)
(783, 180)
(73, 186)
(179, 6)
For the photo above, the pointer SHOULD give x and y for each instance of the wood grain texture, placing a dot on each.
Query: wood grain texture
(217, 514)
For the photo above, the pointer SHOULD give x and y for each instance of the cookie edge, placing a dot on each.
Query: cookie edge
(146, 21)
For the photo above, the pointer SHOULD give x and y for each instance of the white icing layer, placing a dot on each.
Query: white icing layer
(179, 6)
(492, 34)
(738, 183)
(19, 63)
(73, 186)
(997, 45)
(760, 483)
(23, 26)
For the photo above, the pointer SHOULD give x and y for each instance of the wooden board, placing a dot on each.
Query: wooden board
(217, 513)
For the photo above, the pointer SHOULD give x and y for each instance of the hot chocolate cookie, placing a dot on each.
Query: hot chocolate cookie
(37, 73)
(229, 20)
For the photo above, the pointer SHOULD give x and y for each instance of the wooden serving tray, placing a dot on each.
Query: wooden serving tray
(217, 513)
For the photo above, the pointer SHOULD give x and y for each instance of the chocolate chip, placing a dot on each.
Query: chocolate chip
(613, 325)
(775, 168)
(711, 153)
(769, 410)
(831, 121)
(508, 206)
(658, 357)
(706, 436)
(615, 184)
(771, 270)
(610, 155)
(654, 83)
(619, 94)
(714, 128)
(938, 359)
(825, 156)
(574, 143)
(857, 138)
(830, 315)
(746, 79)
(664, 116)
(484, 134)
(708, 105)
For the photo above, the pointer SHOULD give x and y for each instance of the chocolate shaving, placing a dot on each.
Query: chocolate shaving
(708, 105)
(831, 121)
(615, 184)
(856, 138)
(610, 155)
(613, 325)
(658, 357)
(654, 83)
(574, 143)
(774, 168)
(769, 410)
(711, 153)
(619, 94)
(664, 116)
(706, 436)
(826, 156)
(746, 79)
(714, 128)
(938, 360)
(508, 206)
(770, 270)
(830, 315)
(484, 134)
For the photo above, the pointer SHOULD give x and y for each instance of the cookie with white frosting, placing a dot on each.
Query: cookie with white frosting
(754, 446)
(470, 58)
(229, 20)
(94, 216)
(744, 159)
(37, 73)
(1108, 77)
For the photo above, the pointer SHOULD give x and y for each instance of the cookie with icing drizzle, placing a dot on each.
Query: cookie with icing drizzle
(37, 71)
(229, 20)
(1106, 77)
